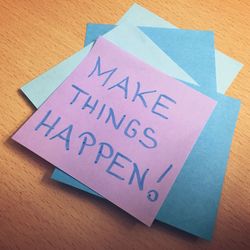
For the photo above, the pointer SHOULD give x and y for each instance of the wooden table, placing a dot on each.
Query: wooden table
(38, 213)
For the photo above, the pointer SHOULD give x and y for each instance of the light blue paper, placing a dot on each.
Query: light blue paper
(193, 200)
(129, 38)
(40, 88)
(226, 67)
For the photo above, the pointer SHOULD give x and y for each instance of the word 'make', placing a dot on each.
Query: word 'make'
(161, 103)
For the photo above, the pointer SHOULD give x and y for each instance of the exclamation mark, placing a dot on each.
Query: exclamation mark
(153, 194)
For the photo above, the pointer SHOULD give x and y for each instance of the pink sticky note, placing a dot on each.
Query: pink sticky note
(120, 127)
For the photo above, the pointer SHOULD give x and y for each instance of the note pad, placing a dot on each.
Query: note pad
(110, 128)
(193, 211)
(179, 210)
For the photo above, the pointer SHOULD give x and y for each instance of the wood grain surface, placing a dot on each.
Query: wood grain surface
(38, 213)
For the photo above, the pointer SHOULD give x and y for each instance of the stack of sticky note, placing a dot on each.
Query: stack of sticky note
(139, 117)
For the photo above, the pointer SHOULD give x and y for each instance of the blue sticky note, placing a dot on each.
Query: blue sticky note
(226, 67)
(180, 43)
(193, 200)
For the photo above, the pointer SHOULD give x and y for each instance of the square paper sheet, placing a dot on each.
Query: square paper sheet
(109, 127)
